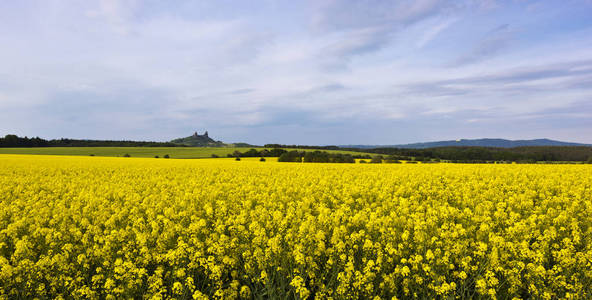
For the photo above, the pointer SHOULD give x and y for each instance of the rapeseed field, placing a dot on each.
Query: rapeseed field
(119, 228)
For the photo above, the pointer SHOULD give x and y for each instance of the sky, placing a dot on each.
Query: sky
(297, 72)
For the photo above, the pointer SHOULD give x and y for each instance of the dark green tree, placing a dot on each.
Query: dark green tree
(376, 159)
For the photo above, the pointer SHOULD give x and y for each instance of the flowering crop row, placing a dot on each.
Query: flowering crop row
(89, 227)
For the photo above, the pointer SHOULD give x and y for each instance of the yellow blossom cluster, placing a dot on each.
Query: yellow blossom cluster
(116, 228)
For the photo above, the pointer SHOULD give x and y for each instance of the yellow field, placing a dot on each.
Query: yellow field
(94, 227)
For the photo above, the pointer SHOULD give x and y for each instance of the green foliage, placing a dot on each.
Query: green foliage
(251, 153)
(259, 153)
(291, 156)
(376, 159)
(483, 154)
(13, 141)
(127, 155)
(316, 157)
(262, 159)
(391, 161)
(166, 156)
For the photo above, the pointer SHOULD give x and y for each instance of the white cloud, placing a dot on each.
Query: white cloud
(433, 31)
(138, 67)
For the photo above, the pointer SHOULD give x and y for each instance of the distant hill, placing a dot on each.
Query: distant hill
(241, 145)
(497, 143)
(197, 140)
(203, 140)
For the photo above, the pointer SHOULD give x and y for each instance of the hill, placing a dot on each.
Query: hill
(495, 143)
(197, 140)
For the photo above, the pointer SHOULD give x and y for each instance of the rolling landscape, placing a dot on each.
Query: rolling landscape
(493, 143)
(325, 149)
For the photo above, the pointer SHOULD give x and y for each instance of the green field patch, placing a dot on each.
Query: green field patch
(173, 152)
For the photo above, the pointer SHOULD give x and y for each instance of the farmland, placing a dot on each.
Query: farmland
(173, 152)
(98, 227)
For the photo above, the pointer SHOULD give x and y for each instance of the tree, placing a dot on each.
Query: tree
(589, 160)
(11, 140)
(391, 161)
(262, 159)
(376, 159)
(292, 156)
(166, 156)
(251, 153)
(276, 152)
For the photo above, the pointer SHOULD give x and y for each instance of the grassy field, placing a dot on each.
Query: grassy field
(173, 152)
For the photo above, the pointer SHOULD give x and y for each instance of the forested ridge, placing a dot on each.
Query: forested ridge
(13, 141)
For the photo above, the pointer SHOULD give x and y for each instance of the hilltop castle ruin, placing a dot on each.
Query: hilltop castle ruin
(204, 135)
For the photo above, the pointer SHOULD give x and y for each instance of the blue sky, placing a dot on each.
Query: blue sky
(298, 72)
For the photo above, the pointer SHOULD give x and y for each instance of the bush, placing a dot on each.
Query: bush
(276, 152)
(155, 156)
(363, 161)
(262, 159)
(166, 156)
(342, 158)
(237, 158)
(215, 156)
(92, 155)
(127, 155)
(391, 161)
(376, 159)
(250, 153)
(317, 156)
(292, 156)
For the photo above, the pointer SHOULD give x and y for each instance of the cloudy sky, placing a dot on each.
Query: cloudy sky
(298, 72)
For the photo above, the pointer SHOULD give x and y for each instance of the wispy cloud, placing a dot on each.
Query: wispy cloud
(491, 44)
(433, 31)
(315, 72)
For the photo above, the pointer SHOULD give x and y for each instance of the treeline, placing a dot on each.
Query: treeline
(298, 156)
(486, 154)
(276, 152)
(316, 157)
(302, 147)
(13, 141)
